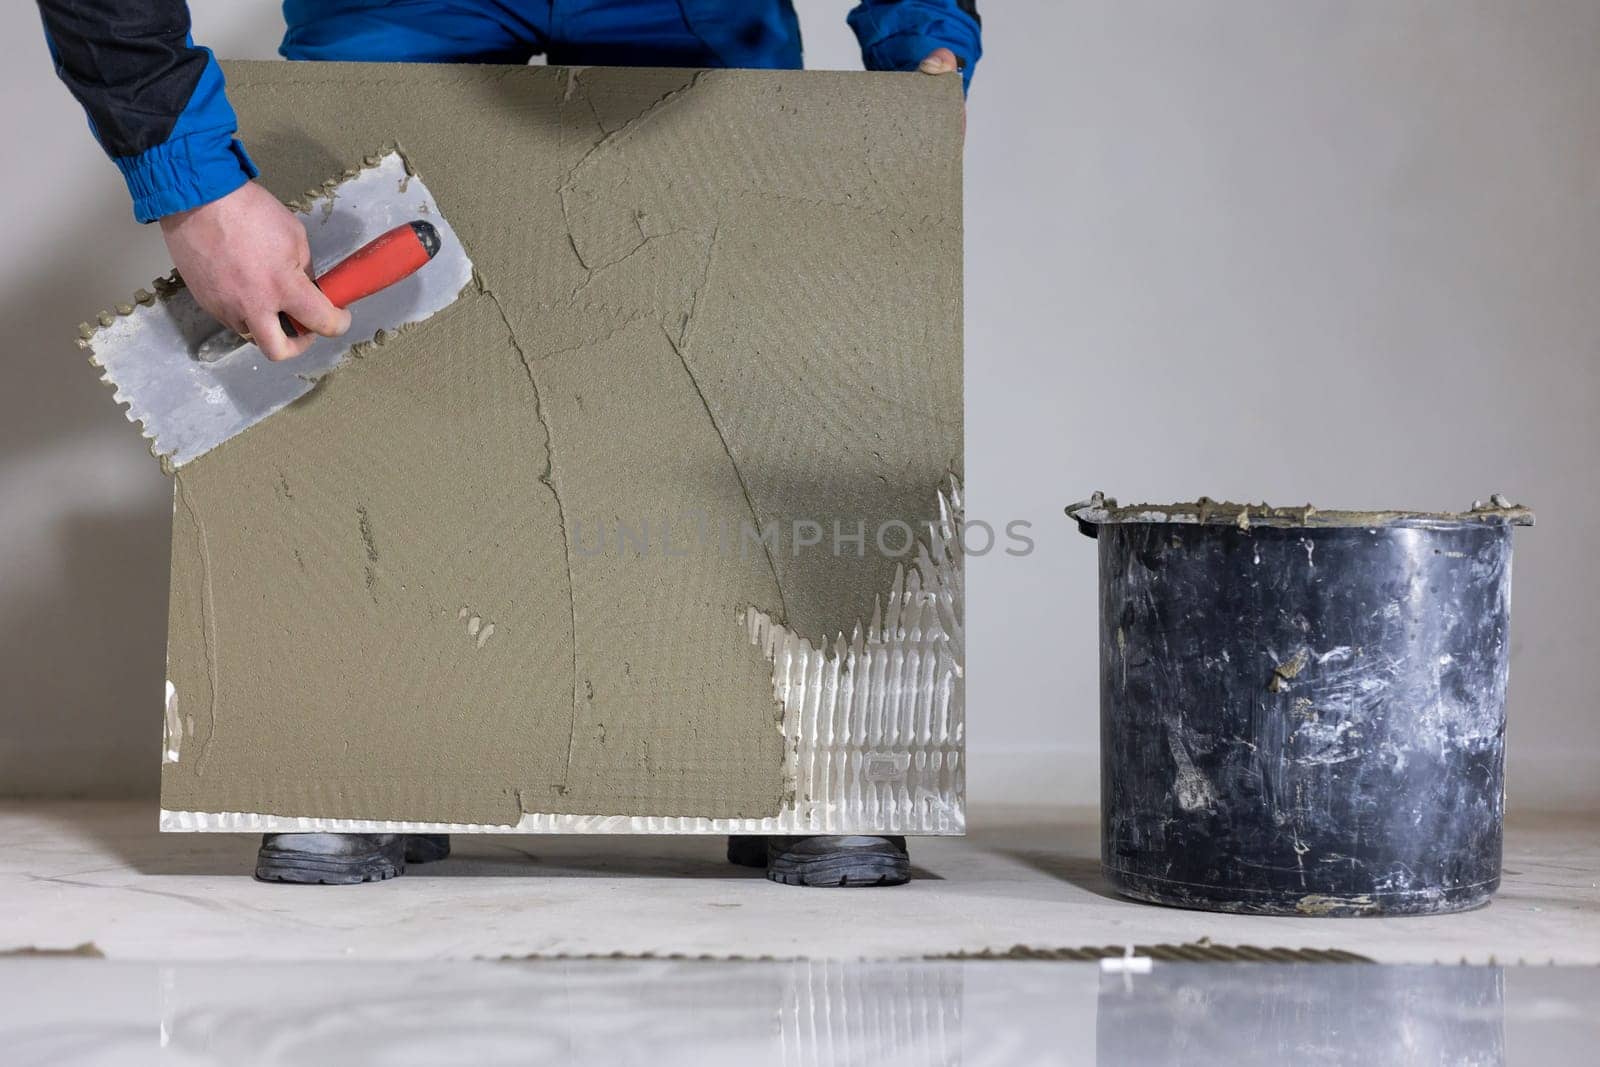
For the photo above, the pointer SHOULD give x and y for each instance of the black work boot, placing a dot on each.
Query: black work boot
(823, 860)
(344, 859)
(427, 848)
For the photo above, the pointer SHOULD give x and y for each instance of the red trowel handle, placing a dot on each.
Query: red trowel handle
(376, 265)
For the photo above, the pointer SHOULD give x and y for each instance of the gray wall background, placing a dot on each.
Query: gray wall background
(1346, 252)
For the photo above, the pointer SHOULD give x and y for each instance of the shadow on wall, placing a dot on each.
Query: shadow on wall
(84, 510)
(84, 648)
(85, 529)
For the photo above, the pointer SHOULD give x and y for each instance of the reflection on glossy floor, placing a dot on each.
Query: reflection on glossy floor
(100, 873)
(460, 962)
(927, 1012)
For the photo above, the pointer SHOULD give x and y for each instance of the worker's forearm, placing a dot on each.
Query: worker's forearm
(899, 34)
(154, 99)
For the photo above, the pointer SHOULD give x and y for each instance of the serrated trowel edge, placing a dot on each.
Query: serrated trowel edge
(164, 286)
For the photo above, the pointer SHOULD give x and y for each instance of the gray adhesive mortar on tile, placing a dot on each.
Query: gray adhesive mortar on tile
(874, 725)
(779, 339)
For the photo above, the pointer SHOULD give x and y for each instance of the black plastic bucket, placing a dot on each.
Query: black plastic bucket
(1302, 711)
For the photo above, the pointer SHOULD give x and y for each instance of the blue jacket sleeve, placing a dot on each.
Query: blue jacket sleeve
(898, 34)
(154, 99)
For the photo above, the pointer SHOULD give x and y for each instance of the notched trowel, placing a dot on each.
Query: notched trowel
(378, 244)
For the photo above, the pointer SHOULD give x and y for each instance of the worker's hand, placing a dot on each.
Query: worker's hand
(939, 61)
(245, 258)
